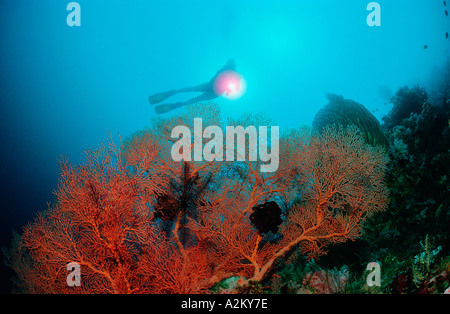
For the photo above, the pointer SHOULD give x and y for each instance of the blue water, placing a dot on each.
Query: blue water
(62, 89)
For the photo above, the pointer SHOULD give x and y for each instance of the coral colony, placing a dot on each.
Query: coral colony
(137, 221)
(165, 214)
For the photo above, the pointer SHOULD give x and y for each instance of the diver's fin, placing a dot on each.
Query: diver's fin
(154, 99)
(160, 109)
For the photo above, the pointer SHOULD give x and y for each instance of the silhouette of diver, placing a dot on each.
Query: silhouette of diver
(209, 91)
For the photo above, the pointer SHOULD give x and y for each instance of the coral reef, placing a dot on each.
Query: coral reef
(417, 175)
(347, 192)
(411, 239)
(138, 222)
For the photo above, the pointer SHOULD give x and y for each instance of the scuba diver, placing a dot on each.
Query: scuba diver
(226, 80)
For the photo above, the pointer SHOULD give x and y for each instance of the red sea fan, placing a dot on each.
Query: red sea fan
(108, 213)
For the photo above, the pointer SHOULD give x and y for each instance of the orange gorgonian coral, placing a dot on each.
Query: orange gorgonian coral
(138, 222)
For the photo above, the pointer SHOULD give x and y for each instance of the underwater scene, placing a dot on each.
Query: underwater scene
(225, 148)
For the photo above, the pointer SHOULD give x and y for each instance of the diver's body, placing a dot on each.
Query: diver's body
(207, 90)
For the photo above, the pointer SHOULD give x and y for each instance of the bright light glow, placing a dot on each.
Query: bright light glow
(230, 85)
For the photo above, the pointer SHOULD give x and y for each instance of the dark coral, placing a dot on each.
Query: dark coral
(266, 217)
(418, 176)
(406, 101)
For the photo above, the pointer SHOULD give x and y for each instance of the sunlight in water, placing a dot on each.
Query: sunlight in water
(230, 85)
